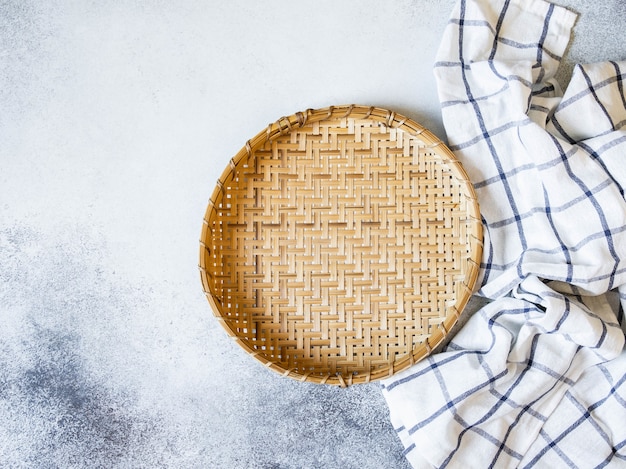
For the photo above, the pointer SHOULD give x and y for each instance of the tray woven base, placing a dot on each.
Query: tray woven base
(340, 245)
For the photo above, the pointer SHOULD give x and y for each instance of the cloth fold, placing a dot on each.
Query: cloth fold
(549, 171)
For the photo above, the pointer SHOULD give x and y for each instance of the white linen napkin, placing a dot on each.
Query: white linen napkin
(537, 371)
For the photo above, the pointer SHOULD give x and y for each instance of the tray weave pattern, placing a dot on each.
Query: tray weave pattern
(340, 245)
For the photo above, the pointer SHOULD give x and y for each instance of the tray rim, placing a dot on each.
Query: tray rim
(390, 119)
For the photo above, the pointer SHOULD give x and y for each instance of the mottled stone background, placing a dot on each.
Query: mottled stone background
(116, 119)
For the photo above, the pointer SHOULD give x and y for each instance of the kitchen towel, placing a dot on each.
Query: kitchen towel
(536, 377)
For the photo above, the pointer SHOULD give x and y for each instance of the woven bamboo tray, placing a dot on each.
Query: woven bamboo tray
(340, 245)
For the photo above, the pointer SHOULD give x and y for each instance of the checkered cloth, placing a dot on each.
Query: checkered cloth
(537, 376)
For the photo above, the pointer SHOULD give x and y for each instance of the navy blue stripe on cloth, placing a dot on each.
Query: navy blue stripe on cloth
(552, 445)
(564, 249)
(598, 208)
(496, 38)
(544, 33)
(619, 80)
(450, 404)
(596, 156)
(509, 174)
(557, 125)
(595, 97)
(491, 133)
(495, 408)
(587, 91)
(483, 128)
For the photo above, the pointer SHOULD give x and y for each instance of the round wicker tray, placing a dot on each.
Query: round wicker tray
(341, 244)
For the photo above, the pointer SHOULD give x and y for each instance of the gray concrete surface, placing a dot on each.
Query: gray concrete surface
(116, 119)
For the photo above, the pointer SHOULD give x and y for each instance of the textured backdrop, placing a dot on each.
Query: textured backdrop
(116, 119)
